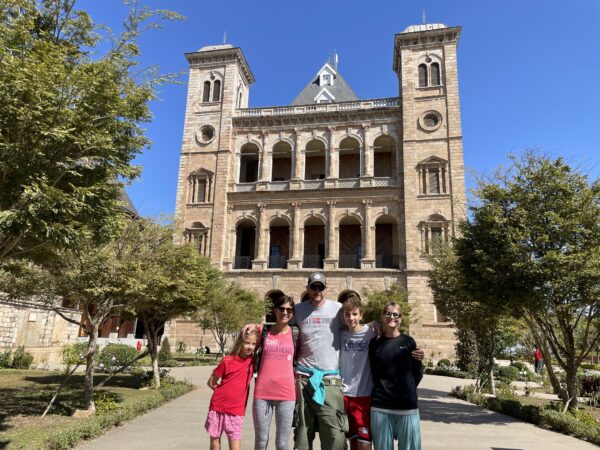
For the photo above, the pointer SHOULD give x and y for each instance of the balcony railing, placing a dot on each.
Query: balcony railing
(347, 183)
(278, 262)
(384, 182)
(312, 184)
(349, 262)
(245, 187)
(321, 107)
(387, 261)
(242, 262)
(279, 185)
(312, 262)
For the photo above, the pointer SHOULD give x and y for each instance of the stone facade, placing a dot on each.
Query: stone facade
(38, 328)
(363, 190)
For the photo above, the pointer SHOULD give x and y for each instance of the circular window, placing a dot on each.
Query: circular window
(430, 120)
(205, 135)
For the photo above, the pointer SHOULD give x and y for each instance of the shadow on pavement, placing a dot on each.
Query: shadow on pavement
(433, 410)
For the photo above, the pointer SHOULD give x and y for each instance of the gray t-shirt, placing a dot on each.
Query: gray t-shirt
(354, 362)
(320, 332)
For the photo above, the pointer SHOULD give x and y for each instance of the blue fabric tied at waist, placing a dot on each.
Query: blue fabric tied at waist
(316, 381)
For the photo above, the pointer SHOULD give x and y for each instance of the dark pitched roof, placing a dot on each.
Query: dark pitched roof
(340, 90)
(128, 204)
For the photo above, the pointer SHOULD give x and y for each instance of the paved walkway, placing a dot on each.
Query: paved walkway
(446, 423)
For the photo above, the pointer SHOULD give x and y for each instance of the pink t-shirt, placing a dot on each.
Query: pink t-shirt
(275, 379)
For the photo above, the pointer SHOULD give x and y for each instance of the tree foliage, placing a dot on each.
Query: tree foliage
(532, 245)
(71, 121)
(455, 298)
(227, 307)
(174, 280)
(376, 300)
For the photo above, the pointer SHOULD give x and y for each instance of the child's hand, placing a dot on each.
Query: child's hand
(418, 354)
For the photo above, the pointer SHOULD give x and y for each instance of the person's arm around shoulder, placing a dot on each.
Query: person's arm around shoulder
(417, 365)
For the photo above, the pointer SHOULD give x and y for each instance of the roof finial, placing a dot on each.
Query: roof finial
(424, 19)
(225, 37)
(335, 60)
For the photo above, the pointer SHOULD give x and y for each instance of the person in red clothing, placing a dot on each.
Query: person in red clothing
(228, 405)
(538, 360)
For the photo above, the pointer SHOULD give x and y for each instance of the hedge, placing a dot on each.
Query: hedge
(544, 417)
(445, 372)
(69, 435)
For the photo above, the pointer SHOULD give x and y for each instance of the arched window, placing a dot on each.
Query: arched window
(217, 91)
(422, 75)
(435, 74)
(206, 93)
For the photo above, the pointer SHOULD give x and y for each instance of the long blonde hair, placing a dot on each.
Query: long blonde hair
(239, 342)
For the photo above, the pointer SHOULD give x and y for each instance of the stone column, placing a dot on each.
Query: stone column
(331, 260)
(331, 161)
(264, 164)
(262, 237)
(368, 152)
(368, 257)
(295, 261)
(296, 181)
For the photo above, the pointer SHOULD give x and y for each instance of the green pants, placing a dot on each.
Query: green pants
(329, 419)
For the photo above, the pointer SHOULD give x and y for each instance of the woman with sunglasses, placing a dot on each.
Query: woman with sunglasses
(394, 410)
(274, 391)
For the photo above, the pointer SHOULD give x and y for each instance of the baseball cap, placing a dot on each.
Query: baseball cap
(317, 277)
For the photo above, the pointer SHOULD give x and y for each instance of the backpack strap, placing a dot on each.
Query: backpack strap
(296, 341)
(259, 348)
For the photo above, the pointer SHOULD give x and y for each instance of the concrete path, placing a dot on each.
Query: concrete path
(446, 423)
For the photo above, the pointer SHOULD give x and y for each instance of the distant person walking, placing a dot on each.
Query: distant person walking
(538, 360)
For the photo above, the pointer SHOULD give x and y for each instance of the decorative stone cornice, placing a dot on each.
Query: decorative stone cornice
(220, 56)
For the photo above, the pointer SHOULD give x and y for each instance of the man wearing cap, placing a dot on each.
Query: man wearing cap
(321, 404)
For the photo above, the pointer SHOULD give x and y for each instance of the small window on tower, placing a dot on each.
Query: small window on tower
(326, 79)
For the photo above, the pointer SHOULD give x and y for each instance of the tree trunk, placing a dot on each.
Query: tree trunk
(571, 400)
(89, 367)
(152, 338)
(541, 342)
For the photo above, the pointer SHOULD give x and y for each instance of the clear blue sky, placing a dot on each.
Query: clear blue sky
(528, 69)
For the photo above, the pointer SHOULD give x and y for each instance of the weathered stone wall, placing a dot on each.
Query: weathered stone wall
(39, 329)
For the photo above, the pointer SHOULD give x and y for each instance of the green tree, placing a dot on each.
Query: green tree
(71, 117)
(457, 299)
(532, 245)
(173, 279)
(226, 308)
(375, 301)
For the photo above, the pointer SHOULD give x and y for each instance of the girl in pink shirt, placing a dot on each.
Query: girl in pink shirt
(228, 404)
(274, 391)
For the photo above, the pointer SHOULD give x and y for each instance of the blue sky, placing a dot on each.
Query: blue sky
(528, 69)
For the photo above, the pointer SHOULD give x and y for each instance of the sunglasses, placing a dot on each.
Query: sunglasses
(393, 315)
(317, 287)
(283, 309)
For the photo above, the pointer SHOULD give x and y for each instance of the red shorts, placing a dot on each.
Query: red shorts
(358, 410)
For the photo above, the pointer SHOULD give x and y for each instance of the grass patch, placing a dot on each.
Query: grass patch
(184, 360)
(24, 394)
(583, 424)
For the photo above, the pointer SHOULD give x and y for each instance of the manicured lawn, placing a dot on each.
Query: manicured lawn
(24, 394)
